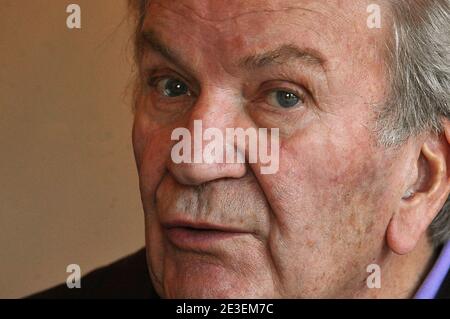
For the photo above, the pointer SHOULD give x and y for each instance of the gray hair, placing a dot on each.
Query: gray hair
(418, 61)
(419, 78)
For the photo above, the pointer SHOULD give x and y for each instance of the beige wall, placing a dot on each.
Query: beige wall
(68, 186)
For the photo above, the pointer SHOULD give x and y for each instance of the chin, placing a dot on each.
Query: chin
(211, 283)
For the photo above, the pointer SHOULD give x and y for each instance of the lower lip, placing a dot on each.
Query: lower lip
(189, 238)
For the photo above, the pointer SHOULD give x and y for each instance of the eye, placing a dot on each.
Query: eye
(284, 99)
(171, 87)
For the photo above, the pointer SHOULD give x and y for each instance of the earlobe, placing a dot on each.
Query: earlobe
(406, 225)
(421, 201)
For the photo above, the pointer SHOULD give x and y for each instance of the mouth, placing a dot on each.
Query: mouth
(188, 235)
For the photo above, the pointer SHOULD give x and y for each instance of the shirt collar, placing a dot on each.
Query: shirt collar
(436, 276)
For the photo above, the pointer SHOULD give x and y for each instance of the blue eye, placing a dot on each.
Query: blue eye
(171, 87)
(284, 99)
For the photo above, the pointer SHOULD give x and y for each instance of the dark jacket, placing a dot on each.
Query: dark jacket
(126, 278)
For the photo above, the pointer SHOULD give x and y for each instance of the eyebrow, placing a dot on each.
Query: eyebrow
(284, 53)
(149, 39)
(281, 55)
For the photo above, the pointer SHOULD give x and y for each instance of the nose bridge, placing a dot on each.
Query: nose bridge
(215, 110)
(217, 107)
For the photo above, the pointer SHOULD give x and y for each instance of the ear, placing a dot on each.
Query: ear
(425, 197)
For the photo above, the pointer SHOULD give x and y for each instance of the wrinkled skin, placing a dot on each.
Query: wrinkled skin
(312, 228)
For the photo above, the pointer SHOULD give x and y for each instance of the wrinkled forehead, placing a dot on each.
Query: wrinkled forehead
(217, 11)
(332, 27)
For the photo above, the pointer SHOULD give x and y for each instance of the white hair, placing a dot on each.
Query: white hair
(419, 80)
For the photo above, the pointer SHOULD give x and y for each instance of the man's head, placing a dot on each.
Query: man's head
(355, 186)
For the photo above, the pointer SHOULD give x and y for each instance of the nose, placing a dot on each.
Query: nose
(197, 174)
(206, 128)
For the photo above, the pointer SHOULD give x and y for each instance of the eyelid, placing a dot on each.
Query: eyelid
(285, 85)
(153, 80)
(299, 93)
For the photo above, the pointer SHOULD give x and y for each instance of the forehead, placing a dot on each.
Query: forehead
(335, 28)
(218, 11)
(254, 21)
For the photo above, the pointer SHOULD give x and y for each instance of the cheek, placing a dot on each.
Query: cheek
(152, 146)
(328, 198)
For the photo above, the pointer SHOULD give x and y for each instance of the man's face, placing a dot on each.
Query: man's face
(311, 228)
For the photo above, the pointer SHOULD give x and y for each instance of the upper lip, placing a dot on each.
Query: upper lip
(201, 226)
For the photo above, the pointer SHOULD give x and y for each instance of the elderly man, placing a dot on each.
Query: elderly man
(356, 113)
